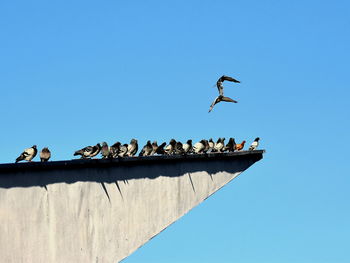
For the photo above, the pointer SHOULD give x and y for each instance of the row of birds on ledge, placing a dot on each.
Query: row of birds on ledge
(174, 147)
(119, 150)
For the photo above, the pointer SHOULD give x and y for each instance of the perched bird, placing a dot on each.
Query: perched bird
(211, 144)
(123, 150)
(28, 154)
(147, 149)
(154, 148)
(219, 145)
(178, 149)
(132, 147)
(220, 87)
(201, 146)
(169, 149)
(206, 146)
(160, 150)
(105, 151)
(114, 150)
(45, 154)
(240, 146)
(231, 145)
(89, 151)
(95, 150)
(198, 147)
(254, 144)
(187, 147)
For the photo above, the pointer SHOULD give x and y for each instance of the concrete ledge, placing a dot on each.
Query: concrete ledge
(129, 161)
(103, 210)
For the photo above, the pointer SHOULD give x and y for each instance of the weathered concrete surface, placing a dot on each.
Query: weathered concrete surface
(103, 210)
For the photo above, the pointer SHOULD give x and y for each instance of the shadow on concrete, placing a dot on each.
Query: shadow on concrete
(111, 171)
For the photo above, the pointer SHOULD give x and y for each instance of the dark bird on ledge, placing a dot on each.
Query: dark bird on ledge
(123, 150)
(160, 150)
(220, 87)
(28, 154)
(114, 150)
(231, 145)
(132, 147)
(169, 149)
(211, 144)
(206, 146)
(45, 154)
(147, 149)
(178, 149)
(95, 150)
(254, 144)
(89, 151)
(154, 147)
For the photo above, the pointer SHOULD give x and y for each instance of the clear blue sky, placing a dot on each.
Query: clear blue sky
(74, 73)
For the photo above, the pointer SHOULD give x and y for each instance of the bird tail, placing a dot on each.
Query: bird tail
(78, 153)
(20, 158)
(162, 145)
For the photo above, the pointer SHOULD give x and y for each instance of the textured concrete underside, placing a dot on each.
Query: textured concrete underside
(102, 214)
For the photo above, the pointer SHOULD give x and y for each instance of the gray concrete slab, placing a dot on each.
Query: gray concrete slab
(103, 210)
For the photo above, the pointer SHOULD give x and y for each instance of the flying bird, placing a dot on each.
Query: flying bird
(28, 154)
(254, 144)
(240, 146)
(89, 151)
(220, 87)
(221, 80)
(45, 154)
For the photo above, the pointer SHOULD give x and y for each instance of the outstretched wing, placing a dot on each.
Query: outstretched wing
(228, 99)
(213, 104)
(223, 78)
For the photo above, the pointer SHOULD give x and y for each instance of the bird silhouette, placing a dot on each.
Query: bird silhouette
(220, 87)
